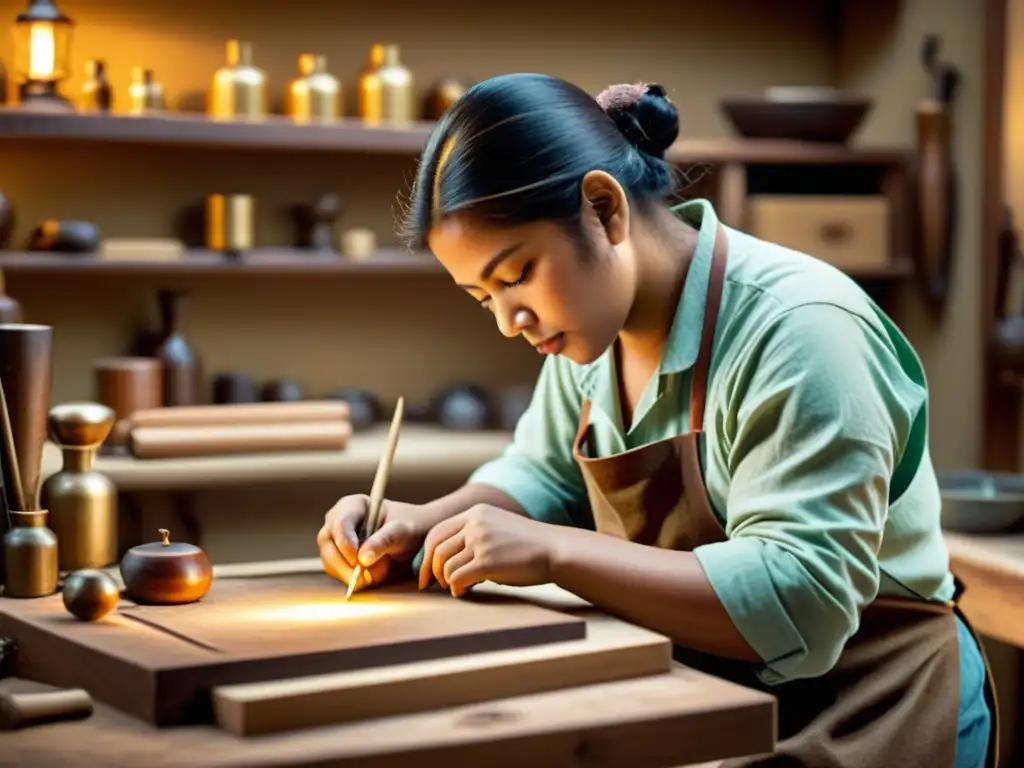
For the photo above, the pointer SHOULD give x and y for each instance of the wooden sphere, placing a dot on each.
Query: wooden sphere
(90, 594)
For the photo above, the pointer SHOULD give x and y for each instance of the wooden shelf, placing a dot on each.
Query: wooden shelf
(424, 452)
(351, 134)
(282, 261)
(781, 152)
(261, 261)
(273, 132)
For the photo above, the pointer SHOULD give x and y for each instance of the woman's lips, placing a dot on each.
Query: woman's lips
(552, 345)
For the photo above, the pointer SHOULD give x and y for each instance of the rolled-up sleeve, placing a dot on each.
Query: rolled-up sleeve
(537, 469)
(820, 416)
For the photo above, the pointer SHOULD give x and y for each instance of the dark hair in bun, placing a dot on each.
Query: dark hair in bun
(515, 149)
(644, 115)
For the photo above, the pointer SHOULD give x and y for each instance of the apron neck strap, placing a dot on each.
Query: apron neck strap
(698, 393)
(699, 390)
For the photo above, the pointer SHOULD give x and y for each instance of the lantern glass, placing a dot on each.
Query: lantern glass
(42, 50)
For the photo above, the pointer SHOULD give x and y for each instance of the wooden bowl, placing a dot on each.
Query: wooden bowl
(798, 114)
(166, 573)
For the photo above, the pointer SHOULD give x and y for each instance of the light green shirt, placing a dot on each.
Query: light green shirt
(816, 415)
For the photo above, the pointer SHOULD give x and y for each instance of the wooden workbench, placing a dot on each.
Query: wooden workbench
(992, 568)
(677, 719)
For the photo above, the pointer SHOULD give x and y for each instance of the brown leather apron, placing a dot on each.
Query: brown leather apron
(892, 699)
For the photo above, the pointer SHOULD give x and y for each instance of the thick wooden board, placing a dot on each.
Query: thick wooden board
(612, 650)
(659, 721)
(161, 663)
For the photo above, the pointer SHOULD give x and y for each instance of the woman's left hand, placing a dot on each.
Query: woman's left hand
(486, 543)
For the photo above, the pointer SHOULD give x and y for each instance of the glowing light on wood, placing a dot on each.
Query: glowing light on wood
(319, 612)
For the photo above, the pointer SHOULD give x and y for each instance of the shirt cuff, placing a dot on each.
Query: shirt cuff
(740, 578)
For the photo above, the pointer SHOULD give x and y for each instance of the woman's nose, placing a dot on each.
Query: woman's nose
(514, 321)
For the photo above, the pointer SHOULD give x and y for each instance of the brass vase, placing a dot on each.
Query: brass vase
(239, 89)
(30, 556)
(82, 502)
(145, 94)
(315, 95)
(386, 87)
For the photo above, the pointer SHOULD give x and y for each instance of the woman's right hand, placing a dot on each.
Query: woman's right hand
(400, 533)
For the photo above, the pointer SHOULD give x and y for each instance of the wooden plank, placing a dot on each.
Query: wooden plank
(611, 651)
(161, 663)
(660, 721)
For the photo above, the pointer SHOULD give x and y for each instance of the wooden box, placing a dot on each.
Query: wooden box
(851, 233)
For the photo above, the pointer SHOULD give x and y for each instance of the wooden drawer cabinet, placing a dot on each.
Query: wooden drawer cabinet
(848, 232)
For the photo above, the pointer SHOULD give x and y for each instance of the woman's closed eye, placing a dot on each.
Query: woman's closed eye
(522, 276)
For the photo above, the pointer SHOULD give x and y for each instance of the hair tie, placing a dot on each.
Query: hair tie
(620, 101)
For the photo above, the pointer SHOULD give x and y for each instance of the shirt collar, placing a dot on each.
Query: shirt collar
(596, 379)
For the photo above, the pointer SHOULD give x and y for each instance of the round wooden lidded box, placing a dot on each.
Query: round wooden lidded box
(165, 572)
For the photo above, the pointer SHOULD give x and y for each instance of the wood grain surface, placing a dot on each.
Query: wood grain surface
(161, 662)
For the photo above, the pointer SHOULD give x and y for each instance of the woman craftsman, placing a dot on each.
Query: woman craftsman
(727, 443)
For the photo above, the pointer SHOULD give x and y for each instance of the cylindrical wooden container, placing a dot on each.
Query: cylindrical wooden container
(26, 369)
(127, 385)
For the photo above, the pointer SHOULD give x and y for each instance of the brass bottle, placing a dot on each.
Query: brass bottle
(315, 95)
(239, 89)
(82, 502)
(96, 92)
(386, 87)
(30, 555)
(145, 94)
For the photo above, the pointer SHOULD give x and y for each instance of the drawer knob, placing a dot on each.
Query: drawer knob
(835, 232)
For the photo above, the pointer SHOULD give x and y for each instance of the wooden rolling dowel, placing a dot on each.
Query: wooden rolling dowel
(177, 442)
(239, 414)
(19, 710)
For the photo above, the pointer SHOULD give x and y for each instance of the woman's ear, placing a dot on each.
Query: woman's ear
(605, 206)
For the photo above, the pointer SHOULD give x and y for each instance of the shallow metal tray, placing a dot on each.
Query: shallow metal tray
(975, 501)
